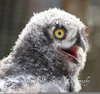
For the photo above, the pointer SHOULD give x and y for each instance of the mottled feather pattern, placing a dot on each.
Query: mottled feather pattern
(35, 54)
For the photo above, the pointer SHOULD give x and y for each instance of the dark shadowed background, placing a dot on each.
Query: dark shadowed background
(15, 14)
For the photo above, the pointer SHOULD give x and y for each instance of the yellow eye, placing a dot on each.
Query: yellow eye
(60, 33)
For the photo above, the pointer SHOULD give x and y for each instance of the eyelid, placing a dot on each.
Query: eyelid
(60, 27)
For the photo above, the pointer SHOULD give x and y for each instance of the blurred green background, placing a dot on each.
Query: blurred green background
(15, 14)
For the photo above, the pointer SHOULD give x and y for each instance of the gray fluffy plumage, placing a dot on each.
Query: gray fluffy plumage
(35, 64)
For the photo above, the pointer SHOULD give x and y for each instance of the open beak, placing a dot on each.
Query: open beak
(72, 53)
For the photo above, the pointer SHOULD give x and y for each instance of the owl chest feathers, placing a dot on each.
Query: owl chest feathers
(30, 84)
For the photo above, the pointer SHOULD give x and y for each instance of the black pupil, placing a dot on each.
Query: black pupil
(59, 33)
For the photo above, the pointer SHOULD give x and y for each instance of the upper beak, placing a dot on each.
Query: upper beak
(82, 44)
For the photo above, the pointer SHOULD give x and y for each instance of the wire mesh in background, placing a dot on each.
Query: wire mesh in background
(15, 14)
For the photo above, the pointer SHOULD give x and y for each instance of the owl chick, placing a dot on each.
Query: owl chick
(48, 55)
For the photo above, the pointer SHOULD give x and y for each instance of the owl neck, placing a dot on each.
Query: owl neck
(37, 59)
(36, 67)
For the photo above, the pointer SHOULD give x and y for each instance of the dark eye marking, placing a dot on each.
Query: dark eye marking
(46, 34)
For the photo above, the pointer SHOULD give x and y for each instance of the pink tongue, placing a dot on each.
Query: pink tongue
(73, 51)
